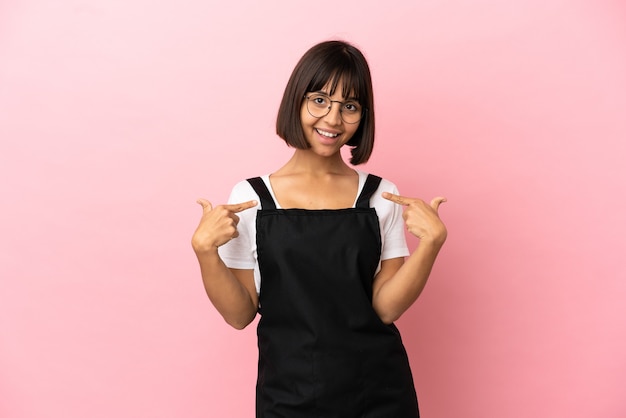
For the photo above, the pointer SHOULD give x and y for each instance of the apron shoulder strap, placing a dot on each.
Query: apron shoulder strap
(370, 186)
(267, 202)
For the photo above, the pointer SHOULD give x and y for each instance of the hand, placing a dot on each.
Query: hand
(218, 225)
(422, 219)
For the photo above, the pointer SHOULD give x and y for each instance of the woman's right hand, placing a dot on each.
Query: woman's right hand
(218, 225)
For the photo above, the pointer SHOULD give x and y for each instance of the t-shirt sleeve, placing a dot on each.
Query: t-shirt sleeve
(392, 225)
(239, 252)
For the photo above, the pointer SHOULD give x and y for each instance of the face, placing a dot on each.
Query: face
(327, 134)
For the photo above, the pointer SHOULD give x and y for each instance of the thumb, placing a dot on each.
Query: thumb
(436, 202)
(206, 205)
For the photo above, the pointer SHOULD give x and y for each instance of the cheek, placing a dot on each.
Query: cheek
(352, 129)
(305, 117)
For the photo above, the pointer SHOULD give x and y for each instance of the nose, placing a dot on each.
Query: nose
(334, 114)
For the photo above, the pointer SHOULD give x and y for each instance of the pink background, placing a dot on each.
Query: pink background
(116, 115)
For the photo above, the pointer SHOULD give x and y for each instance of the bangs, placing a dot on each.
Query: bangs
(347, 73)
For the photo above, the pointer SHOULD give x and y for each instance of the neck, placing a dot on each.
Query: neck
(306, 161)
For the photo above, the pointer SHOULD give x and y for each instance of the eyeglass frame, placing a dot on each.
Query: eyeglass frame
(308, 98)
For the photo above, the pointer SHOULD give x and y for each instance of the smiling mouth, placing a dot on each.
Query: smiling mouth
(326, 134)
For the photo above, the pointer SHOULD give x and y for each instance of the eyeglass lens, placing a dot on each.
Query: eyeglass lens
(319, 105)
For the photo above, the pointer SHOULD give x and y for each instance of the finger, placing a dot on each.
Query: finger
(437, 201)
(234, 217)
(238, 207)
(401, 200)
(206, 205)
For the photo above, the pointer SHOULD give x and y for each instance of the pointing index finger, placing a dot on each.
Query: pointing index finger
(401, 200)
(238, 207)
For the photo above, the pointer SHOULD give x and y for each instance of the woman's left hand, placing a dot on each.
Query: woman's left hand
(422, 219)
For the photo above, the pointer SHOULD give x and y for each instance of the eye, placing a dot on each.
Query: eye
(319, 100)
(351, 107)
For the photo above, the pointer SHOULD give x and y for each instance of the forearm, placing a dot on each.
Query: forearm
(227, 293)
(397, 293)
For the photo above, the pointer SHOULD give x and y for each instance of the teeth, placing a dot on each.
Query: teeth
(327, 134)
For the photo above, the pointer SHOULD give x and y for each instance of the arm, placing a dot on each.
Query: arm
(398, 284)
(231, 291)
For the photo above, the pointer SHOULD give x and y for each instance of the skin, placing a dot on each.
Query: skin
(318, 178)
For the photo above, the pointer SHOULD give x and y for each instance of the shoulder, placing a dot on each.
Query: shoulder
(387, 186)
(385, 209)
(242, 192)
(384, 186)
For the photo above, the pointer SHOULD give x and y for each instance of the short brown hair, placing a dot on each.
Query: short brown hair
(326, 64)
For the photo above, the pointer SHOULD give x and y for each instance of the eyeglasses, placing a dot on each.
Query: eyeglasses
(319, 105)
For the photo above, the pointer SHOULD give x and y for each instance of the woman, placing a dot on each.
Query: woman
(322, 257)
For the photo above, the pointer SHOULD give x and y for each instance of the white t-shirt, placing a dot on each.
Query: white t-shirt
(241, 252)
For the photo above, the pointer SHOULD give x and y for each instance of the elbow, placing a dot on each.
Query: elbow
(240, 317)
(239, 323)
(387, 317)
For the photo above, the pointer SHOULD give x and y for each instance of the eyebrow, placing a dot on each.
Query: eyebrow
(354, 99)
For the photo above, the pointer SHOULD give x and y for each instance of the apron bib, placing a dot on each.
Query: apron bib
(323, 350)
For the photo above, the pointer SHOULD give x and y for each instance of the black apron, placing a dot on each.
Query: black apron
(323, 350)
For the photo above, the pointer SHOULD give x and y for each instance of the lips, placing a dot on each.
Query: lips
(327, 134)
(327, 138)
